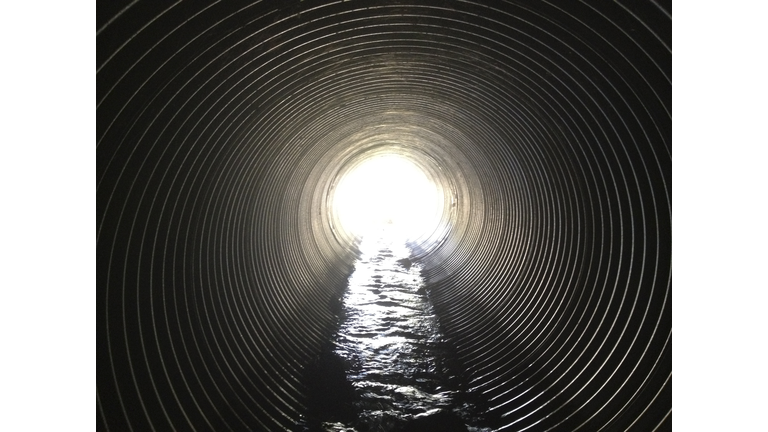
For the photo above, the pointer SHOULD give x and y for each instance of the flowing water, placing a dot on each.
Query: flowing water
(387, 368)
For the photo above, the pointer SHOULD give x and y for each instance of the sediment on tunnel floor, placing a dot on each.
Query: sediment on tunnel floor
(222, 128)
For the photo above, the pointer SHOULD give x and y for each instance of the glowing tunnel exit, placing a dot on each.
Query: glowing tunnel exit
(389, 195)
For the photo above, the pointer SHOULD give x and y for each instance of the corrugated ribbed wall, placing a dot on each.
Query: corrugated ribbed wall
(221, 126)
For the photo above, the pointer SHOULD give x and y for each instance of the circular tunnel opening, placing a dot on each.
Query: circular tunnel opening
(387, 194)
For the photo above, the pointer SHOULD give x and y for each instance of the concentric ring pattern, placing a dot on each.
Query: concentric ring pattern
(222, 127)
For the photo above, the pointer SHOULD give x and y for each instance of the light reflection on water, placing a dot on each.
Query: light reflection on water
(391, 346)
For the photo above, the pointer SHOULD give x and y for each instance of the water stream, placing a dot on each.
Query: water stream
(387, 368)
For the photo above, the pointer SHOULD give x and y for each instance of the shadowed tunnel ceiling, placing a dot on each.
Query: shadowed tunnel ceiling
(222, 128)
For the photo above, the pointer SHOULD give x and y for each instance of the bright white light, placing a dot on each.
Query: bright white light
(387, 194)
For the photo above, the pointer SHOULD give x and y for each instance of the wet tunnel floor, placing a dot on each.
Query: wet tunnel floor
(388, 367)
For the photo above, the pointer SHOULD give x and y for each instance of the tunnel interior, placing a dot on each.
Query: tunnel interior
(225, 129)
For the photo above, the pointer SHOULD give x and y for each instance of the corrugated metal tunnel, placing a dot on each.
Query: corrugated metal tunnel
(224, 127)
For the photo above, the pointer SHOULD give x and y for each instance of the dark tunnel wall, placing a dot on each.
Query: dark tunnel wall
(221, 125)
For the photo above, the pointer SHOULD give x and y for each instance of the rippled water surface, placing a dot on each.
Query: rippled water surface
(388, 359)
